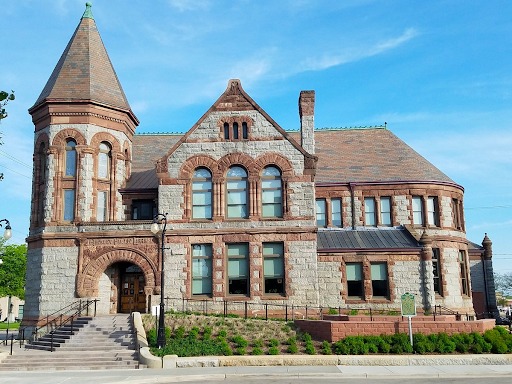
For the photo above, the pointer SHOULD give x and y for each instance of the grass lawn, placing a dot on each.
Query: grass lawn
(11, 325)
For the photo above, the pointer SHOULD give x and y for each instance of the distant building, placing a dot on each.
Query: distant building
(329, 217)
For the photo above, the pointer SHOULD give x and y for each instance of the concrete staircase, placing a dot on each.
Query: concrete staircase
(103, 342)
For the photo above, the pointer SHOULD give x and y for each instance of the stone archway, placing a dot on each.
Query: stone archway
(88, 279)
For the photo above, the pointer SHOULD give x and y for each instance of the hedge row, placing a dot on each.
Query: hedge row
(203, 343)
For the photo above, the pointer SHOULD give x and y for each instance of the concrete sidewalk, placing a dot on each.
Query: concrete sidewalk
(245, 373)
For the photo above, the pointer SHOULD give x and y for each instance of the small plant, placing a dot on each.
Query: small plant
(353, 312)
(179, 332)
(273, 351)
(241, 351)
(258, 343)
(273, 343)
(310, 348)
(223, 333)
(326, 348)
(292, 348)
(332, 311)
(240, 341)
(306, 337)
(257, 351)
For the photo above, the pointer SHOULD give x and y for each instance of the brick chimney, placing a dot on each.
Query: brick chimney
(307, 120)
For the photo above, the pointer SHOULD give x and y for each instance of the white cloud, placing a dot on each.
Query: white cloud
(189, 5)
(356, 53)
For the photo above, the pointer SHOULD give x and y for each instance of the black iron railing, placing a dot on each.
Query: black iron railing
(52, 322)
(285, 311)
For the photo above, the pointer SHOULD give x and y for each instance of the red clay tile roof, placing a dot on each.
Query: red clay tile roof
(344, 155)
(84, 72)
(369, 155)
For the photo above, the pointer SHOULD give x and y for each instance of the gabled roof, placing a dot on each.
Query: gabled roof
(369, 155)
(365, 239)
(234, 99)
(84, 71)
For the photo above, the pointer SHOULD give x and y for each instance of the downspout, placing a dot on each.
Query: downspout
(353, 205)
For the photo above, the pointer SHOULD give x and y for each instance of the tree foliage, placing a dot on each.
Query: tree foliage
(12, 270)
(5, 97)
(503, 283)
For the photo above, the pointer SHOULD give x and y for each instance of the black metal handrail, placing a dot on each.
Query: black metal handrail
(266, 310)
(59, 318)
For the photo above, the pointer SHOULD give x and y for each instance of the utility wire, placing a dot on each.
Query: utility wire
(15, 159)
(21, 174)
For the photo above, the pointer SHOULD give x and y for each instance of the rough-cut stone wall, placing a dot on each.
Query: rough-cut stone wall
(302, 273)
(50, 280)
(330, 283)
(105, 291)
(407, 278)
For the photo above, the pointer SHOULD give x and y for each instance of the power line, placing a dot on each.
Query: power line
(11, 157)
(489, 207)
(21, 174)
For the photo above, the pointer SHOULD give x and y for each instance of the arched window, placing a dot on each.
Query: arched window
(202, 194)
(271, 192)
(236, 189)
(235, 131)
(42, 163)
(104, 161)
(70, 158)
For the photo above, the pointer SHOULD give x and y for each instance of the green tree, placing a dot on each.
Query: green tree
(5, 97)
(12, 270)
(503, 282)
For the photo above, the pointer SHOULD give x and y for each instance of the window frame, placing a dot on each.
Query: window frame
(104, 161)
(465, 288)
(274, 256)
(417, 213)
(433, 211)
(386, 214)
(238, 191)
(320, 213)
(208, 278)
(246, 277)
(68, 211)
(70, 154)
(207, 193)
(279, 190)
(370, 216)
(336, 215)
(374, 280)
(103, 210)
(437, 271)
(358, 283)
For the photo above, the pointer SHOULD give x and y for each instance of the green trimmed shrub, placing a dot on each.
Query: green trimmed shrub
(310, 348)
(326, 348)
(257, 351)
(273, 343)
(273, 351)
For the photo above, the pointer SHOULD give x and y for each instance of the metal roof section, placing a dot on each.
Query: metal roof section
(365, 239)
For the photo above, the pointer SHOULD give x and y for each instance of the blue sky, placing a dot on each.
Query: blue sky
(438, 72)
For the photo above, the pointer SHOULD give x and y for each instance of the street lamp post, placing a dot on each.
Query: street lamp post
(7, 232)
(161, 220)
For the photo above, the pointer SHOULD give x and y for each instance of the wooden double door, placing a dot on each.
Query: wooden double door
(133, 298)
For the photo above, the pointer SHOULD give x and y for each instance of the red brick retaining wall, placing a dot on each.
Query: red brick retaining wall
(336, 329)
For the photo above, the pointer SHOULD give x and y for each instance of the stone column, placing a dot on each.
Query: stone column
(427, 271)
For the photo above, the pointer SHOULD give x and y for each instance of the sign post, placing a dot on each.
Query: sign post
(408, 306)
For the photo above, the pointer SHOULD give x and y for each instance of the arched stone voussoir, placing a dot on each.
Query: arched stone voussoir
(87, 281)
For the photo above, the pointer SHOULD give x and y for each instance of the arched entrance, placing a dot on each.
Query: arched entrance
(122, 279)
(132, 297)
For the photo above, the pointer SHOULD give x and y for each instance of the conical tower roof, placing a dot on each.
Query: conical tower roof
(84, 72)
